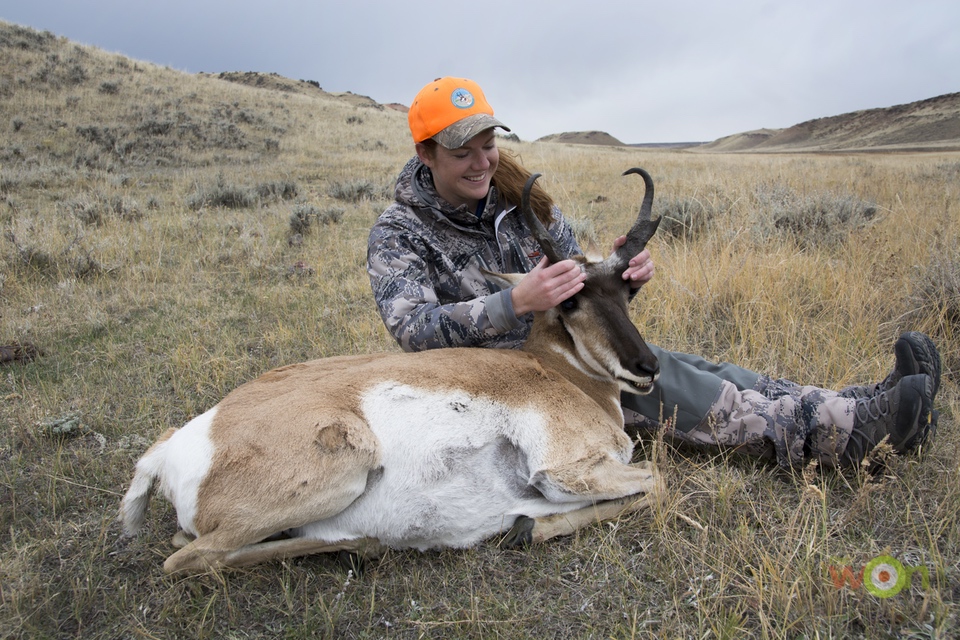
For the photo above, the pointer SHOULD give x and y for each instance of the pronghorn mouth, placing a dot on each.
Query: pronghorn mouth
(641, 386)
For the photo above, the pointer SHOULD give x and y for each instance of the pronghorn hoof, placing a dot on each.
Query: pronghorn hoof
(520, 534)
(181, 539)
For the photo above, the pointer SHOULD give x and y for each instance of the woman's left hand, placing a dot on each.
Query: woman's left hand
(640, 269)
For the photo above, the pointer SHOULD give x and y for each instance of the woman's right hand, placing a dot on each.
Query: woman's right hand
(547, 285)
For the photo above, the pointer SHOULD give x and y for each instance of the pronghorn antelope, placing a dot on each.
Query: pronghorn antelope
(440, 448)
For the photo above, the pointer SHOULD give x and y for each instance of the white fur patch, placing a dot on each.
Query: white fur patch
(456, 470)
(182, 463)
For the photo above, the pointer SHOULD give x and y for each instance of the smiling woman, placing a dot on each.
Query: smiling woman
(455, 221)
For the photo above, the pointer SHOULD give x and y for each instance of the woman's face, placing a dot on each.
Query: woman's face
(462, 176)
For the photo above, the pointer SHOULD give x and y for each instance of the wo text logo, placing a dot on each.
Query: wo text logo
(884, 576)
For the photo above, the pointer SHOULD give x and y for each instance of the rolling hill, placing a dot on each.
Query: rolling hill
(926, 125)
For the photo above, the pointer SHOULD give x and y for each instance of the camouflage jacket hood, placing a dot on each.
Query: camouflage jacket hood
(424, 258)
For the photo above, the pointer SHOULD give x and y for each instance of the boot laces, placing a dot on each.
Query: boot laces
(873, 408)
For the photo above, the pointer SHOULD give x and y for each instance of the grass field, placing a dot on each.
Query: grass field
(166, 237)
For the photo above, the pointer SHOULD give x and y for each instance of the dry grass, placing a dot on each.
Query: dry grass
(147, 310)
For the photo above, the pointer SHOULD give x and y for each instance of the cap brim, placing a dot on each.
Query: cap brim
(462, 131)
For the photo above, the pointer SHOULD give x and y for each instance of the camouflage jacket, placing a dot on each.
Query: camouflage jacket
(425, 258)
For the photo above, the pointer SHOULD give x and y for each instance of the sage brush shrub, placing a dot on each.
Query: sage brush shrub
(27, 255)
(109, 88)
(822, 219)
(236, 197)
(74, 260)
(125, 208)
(278, 190)
(8, 182)
(934, 298)
(683, 219)
(57, 72)
(87, 210)
(221, 195)
(303, 216)
(583, 230)
(25, 39)
(950, 169)
(330, 215)
(154, 127)
(300, 218)
(355, 191)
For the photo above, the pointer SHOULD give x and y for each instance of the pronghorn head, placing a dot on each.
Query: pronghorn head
(592, 330)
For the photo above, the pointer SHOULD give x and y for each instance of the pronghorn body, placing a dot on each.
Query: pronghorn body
(436, 449)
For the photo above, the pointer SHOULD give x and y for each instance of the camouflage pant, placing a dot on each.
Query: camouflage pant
(777, 419)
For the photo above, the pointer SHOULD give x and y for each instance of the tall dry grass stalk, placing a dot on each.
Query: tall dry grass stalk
(147, 308)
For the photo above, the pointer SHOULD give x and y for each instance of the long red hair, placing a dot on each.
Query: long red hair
(509, 181)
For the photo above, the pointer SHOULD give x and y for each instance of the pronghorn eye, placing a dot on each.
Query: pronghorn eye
(569, 304)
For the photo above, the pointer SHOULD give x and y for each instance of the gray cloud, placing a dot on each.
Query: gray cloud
(641, 71)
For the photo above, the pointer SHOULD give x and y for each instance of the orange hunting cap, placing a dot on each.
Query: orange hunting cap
(451, 111)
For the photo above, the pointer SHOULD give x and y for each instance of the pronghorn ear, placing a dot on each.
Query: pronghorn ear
(503, 280)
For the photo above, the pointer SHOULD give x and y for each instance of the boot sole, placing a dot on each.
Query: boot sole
(917, 352)
(915, 425)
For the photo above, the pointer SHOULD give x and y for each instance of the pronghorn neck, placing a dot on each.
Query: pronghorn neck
(555, 348)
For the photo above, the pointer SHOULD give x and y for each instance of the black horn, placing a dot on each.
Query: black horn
(540, 232)
(644, 228)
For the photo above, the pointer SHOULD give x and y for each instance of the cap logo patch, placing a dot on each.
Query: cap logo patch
(461, 98)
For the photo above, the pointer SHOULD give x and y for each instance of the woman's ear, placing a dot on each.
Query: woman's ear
(424, 153)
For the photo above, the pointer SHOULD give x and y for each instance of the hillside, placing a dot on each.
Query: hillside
(62, 103)
(583, 137)
(926, 125)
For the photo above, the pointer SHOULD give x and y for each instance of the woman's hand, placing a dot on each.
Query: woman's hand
(546, 286)
(640, 269)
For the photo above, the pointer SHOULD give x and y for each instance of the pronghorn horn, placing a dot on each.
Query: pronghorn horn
(644, 228)
(547, 245)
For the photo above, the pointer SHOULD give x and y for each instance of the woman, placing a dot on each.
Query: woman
(455, 214)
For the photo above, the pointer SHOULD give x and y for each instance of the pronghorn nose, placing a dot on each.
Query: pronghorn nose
(648, 365)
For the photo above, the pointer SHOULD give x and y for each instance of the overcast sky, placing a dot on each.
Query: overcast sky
(643, 71)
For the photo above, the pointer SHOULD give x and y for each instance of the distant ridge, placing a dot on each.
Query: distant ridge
(926, 125)
(583, 137)
(276, 82)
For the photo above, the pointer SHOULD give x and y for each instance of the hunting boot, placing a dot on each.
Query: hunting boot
(915, 353)
(901, 413)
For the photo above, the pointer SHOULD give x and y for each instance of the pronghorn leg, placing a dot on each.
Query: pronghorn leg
(526, 530)
(293, 547)
(181, 539)
(564, 524)
(200, 555)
